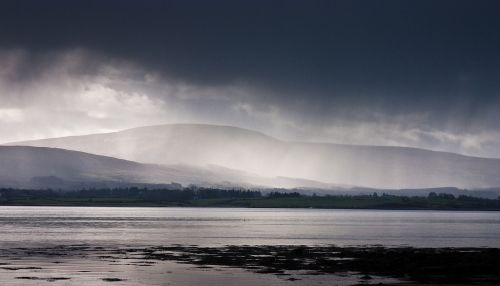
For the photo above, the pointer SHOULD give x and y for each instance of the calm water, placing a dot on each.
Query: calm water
(225, 226)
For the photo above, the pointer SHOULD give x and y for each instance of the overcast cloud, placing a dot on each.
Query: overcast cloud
(423, 74)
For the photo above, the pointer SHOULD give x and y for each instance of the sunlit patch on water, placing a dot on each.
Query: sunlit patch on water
(240, 226)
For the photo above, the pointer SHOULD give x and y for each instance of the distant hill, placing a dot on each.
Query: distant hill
(41, 167)
(262, 155)
(34, 167)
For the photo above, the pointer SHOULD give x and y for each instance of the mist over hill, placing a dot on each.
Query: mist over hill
(262, 156)
(36, 167)
(42, 167)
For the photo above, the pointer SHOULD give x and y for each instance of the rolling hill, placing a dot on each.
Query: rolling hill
(206, 146)
(41, 167)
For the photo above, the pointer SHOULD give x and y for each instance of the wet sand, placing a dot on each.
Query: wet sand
(247, 265)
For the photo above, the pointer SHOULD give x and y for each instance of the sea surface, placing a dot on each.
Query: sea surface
(32, 226)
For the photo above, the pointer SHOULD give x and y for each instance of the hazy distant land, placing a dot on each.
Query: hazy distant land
(211, 155)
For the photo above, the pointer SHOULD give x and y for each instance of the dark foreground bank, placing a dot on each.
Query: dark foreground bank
(423, 265)
(296, 265)
(209, 197)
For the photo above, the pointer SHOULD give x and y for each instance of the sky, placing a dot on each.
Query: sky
(421, 73)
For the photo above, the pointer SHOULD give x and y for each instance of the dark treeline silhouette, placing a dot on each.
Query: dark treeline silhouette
(284, 195)
(196, 196)
(141, 194)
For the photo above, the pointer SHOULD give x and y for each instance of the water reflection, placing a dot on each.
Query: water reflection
(223, 226)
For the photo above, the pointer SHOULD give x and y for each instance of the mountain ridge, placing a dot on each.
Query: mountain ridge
(257, 153)
(47, 167)
(409, 148)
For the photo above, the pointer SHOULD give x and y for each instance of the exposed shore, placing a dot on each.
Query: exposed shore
(294, 265)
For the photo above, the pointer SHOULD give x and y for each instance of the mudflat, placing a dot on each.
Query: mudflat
(248, 265)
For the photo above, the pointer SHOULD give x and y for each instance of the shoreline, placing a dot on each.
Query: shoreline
(208, 197)
(292, 264)
(125, 205)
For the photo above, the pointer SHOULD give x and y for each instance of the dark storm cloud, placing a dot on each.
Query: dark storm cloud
(430, 66)
(359, 46)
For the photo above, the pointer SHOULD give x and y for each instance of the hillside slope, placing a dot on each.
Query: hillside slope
(253, 152)
(41, 167)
